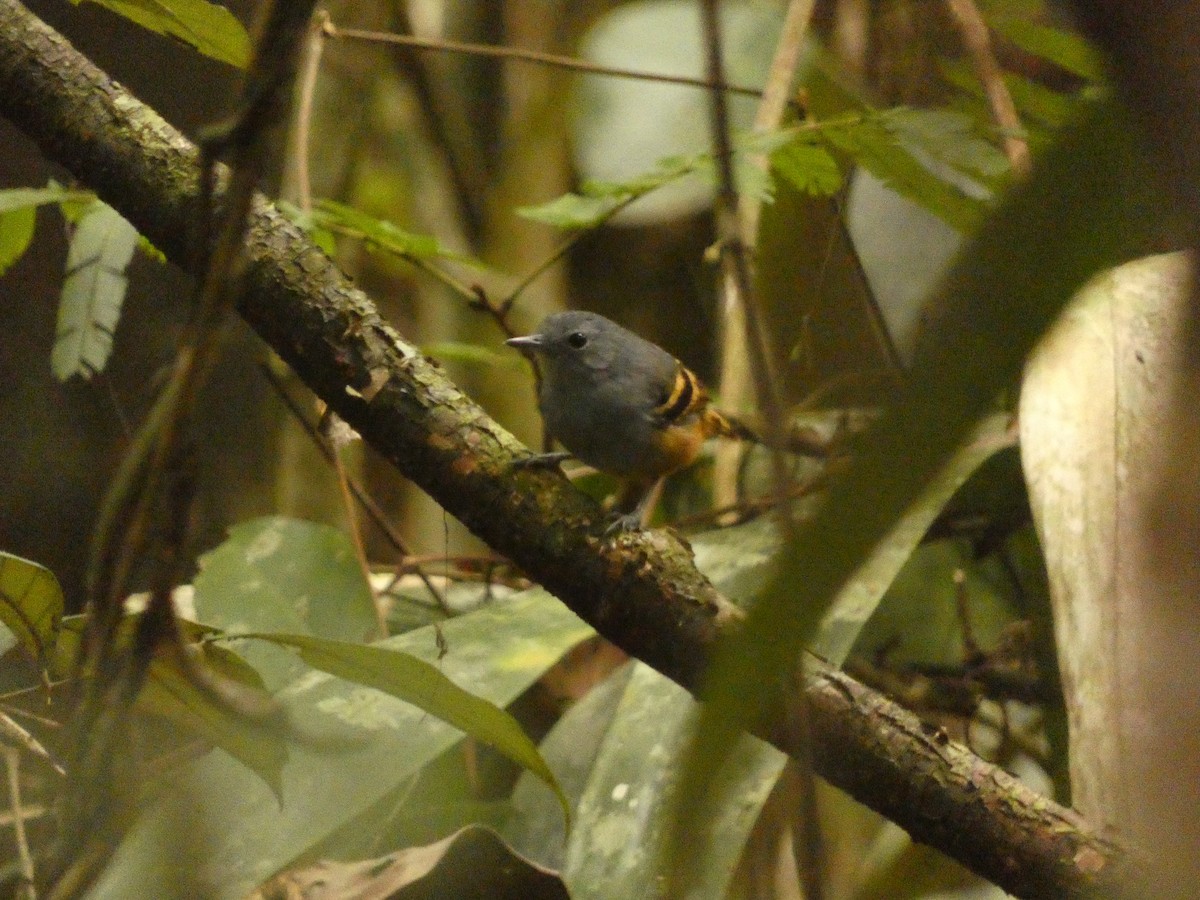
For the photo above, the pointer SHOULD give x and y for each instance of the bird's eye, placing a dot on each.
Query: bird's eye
(577, 340)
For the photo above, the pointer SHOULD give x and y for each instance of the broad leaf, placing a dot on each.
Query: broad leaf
(173, 694)
(92, 294)
(18, 217)
(497, 652)
(210, 28)
(280, 574)
(857, 601)
(417, 682)
(626, 801)
(16, 231)
(31, 604)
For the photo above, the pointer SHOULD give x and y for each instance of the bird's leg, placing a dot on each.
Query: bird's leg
(634, 503)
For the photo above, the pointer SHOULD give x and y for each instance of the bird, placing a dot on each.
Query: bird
(621, 404)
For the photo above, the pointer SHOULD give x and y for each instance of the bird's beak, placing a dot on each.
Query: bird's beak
(530, 343)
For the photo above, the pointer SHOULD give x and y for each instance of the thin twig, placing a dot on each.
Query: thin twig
(14, 732)
(978, 41)
(529, 56)
(12, 762)
(735, 380)
(807, 845)
(306, 85)
(735, 255)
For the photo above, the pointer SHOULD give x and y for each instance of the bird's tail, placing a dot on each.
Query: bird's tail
(801, 441)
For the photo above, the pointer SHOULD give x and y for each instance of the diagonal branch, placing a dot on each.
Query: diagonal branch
(641, 591)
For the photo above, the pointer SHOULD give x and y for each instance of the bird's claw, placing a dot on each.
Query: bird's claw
(624, 523)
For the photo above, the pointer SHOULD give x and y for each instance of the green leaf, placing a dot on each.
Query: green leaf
(571, 211)
(211, 29)
(948, 137)
(31, 604)
(857, 601)
(622, 128)
(870, 144)
(322, 236)
(382, 235)
(461, 352)
(281, 574)
(93, 292)
(1063, 48)
(496, 652)
(16, 231)
(1089, 204)
(808, 168)
(421, 684)
(28, 198)
(1036, 104)
(630, 785)
(17, 216)
(172, 694)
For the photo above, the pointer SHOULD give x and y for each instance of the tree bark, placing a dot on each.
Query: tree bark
(640, 590)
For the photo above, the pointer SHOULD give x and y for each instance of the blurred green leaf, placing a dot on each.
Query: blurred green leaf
(280, 574)
(625, 802)
(896, 868)
(1063, 48)
(572, 211)
(868, 137)
(28, 198)
(150, 250)
(421, 684)
(622, 128)
(950, 138)
(211, 29)
(598, 200)
(856, 602)
(874, 147)
(173, 694)
(321, 235)
(496, 652)
(1089, 204)
(808, 168)
(93, 292)
(379, 234)
(1037, 105)
(31, 604)
(458, 351)
(16, 231)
